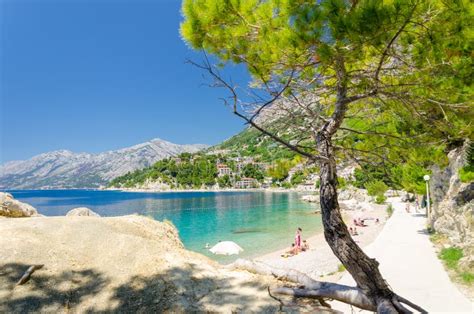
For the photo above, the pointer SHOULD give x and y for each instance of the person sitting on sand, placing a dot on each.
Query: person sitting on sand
(359, 223)
(377, 221)
(305, 246)
(355, 231)
(292, 251)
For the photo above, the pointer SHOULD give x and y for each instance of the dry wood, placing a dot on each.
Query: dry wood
(26, 276)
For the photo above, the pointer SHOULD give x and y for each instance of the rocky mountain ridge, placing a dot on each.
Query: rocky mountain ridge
(66, 169)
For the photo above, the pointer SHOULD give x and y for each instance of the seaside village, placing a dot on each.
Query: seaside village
(238, 180)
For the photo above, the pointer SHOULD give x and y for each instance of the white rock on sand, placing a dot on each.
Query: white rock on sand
(11, 207)
(82, 211)
(312, 198)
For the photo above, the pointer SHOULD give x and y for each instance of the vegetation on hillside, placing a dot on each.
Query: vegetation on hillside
(466, 173)
(251, 143)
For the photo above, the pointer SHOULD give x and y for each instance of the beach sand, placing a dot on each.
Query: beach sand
(319, 261)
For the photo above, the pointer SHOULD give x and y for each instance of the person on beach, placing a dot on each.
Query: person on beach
(298, 238)
(407, 208)
(305, 246)
(291, 252)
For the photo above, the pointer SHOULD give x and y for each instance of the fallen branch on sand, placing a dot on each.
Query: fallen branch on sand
(310, 288)
(26, 276)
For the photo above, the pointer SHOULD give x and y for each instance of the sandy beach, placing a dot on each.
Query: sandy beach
(319, 261)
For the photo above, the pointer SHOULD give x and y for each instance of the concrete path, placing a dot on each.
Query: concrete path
(409, 264)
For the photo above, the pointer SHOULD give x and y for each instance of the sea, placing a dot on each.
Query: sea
(260, 222)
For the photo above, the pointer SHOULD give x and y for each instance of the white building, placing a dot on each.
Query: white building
(246, 183)
(223, 169)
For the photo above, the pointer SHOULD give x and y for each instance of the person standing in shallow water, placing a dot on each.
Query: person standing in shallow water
(298, 238)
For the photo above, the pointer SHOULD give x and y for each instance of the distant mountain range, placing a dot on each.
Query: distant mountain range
(65, 169)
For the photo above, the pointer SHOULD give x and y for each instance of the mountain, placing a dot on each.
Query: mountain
(65, 169)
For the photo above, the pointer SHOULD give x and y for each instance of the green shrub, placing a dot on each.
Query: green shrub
(297, 178)
(466, 174)
(389, 210)
(341, 268)
(342, 183)
(467, 277)
(380, 199)
(375, 188)
(451, 256)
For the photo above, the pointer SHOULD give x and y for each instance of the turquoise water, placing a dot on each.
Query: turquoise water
(260, 222)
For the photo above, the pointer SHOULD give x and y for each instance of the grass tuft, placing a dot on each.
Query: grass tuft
(451, 256)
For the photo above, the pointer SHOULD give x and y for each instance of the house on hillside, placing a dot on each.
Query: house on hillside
(246, 183)
(223, 169)
(263, 166)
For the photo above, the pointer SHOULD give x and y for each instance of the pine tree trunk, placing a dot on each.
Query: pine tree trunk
(363, 269)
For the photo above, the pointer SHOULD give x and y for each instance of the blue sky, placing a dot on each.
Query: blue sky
(95, 75)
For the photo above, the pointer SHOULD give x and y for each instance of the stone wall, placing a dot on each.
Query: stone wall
(453, 205)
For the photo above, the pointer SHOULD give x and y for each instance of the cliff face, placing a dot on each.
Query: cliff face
(453, 205)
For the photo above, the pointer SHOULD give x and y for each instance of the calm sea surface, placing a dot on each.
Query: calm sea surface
(260, 222)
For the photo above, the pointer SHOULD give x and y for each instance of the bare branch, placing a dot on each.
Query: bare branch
(389, 46)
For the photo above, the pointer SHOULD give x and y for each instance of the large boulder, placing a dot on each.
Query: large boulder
(353, 193)
(82, 211)
(10, 207)
(311, 198)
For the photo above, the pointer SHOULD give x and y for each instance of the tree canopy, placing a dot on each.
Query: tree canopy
(407, 65)
(379, 82)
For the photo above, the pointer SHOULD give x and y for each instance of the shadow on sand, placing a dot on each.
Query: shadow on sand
(90, 291)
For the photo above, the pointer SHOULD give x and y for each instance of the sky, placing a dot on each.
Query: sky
(97, 75)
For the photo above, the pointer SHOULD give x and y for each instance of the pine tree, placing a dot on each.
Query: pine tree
(375, 81)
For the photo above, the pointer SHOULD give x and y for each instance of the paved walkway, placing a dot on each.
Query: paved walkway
(409, 264)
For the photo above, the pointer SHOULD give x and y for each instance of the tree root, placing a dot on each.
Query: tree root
(310, 288)
(275, 298)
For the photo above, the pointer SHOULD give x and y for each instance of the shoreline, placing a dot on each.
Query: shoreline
(272, 190)
(319, 261)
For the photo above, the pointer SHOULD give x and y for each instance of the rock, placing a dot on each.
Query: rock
(82, 211)
(353, 193)
(311, 198)
(391, 193)
(12, 208)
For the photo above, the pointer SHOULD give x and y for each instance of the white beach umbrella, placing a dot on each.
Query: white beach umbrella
(226, 248)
